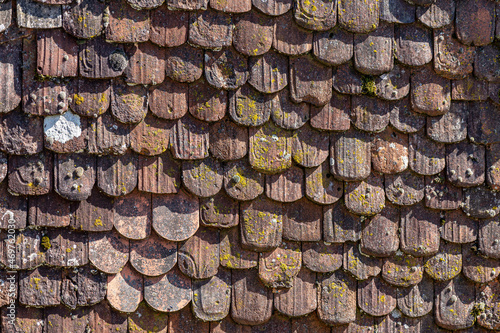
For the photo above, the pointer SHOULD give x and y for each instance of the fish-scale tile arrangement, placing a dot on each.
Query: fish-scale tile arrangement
(250, 165)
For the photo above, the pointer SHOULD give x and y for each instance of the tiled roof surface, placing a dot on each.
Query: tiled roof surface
(250, 165)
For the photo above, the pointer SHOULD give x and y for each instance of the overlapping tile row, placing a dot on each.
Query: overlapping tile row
(250, 165)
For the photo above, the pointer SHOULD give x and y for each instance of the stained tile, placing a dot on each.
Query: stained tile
(439, 14)
(40, 287)
(82, 286)
(346, 80)
(31, 174)
(441, 194)
(35, 15)
(108, 136)
(469, 89)
(249, 107)
(278, 268)
(375, 297)
(232, 255)
(124, 291)
(28, 251)
(13, 208)
(310, 81)
(493, 166)
(403, 118)
(454, 303)
(99, 59)
(153, 256)
(273, 7)
(189, 139)
(10, 69)
(431, 94)
(184, 321)
(121, 169)
(404, 188)
(225, 69)
(232, 6)
(151, 136)
(253, 33)
(169, 100)
(103, 318)
(108, 251)
(366, 197)
(287, 114)
(322, 257)
(393, 85)
(426, 157)
(210, 29)
(95, 213)
(287, 186)
(302, 221)
(146, 64)
(261, 224)
(26, 319)
(63, 319)
(91, 14)
(132, 215)
(188, 4)
(145, 4)
(252, 301)
(268, 73)
(321, 187)
(184, 63)
(489, 244)
(450, 127)
(351, 155)
(334, 116)
(465, 164)
(337, 298)
(403, 270)
(458, 228)
(145, 319)
(340, 225)
(333, 47)
(486, 67)
(419, 231)
(202, 177)
(56, 53)
(373, 52)
(417, 300)
(207, 103)
(66, 133)
(228, 141)
(289, 38)
(397, 11)
(300, 299)
(50, 210)
(480, 202)
(168, 293)
(369, 114)
(241, 182)
(129, 104)
(488, 295)
(360, 265)
(175, 216)
(277, 323)
(379, 235)
(390, 152)
(198, 256)
(358, 16)
(452, 59)
(219, 211)
(127, 25)
(212, 297)
(316, 15)
(446, 264)
(89, 98)
(413, 44)
(158, 174)
(168, 28)
(67, 248)
(475, 22)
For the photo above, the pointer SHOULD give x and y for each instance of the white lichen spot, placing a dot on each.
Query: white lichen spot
(62, 128)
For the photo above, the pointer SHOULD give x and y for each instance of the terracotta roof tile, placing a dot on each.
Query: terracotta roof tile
(301, 298)
(40, 287)
(469, 89)
(129, 104)
(334, 116)
(458, 228)
(333, 47)
(446, 264)
(309, 324)
(269, 73)
(10, 69)
(359, 16)
(103, 318)
(475, 22)
(35, 15)
(158, 174)
(31, 174)
(210, 29)
(310, 81)
(350, 155)
(273, 7)
(241, 182)
(337, 298)
(67, 248)
(413, 44)
(188, 4)
(108, 252)
(404, 119)
(482, 123)
(228, 141)
(490, 292)
(379, 235)
(122, 169)
(29, 253)
(217, 288)
(153, 256)
(21, 134)
(189, 139)
(168, 28)
(406, 188)
(316, 15)
(457, 295)
(492, 167)
(390, 152)
(50, 210)
(397, 11)
(89, 97)
(146, 64)
(321, 187)
(198, 257)
(56, 53)
(26, 319)
(465, 164)
(146, 319)
(278, 268)
(365, 197)
(322, 257)
(66, 133)
(480, 202)
(450, 127)
(441, 194)
(219, 211)
(253, 33)
(228, 325)
(289, 38)
(361, 266)
(249, 107)
(426, 157)
(419, 231)
(417, 300)
(132, 215)
(124, 291)
(287, 114)
(108, 136)
(270, 148)
(151, 136)
(302, 221)
(169, 99)
(340, 225)
(232, 255)
(99, 59)
(207, 103)
(287, 186)
(169, 292)
(95, 213)
(373, 52)
(431, 94)
(439, 14)
(84, 286)
(126, 25)
(403, 270)
(91, 14)
(375, 297)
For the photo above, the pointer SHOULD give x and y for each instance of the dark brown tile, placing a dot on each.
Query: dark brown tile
(287, 114)
(431, 94)
(419, 231)
(483, 123)
(226, 69)
(351, 154)
(168, 293)
(241, 182)
(99, 59)
(278, 268)
(390, 152)
(125, 290)
(145, 319)
(469, 89)
(66, 133)
(413, 44)
(89, 98)
(129, 104)
(488, 295)
(322, 257)
(108, 251)
(439, 14)
(273, 7)
(57, 53)
(212, 297)
(369, 114)
(310, 81)
(475, 22)
(465, 164)
(108, 136)
(405, 188)
(10, 69)
(50, 210)
(94, 213)
(253, 33)
(454, 303)
(366, 197)
(393, 85)
(359, 16)
(13, 208)
(333, 47)
(151, 136)
(117, 175)
(189, 139)
(397, 11)
(132, 215)
(184, 321)
(145, 4)
(232, 6)
(252, 301)
(169, 100)
(83, 286)
(277, 323)
(91, 22)
(219, 211)
(379, 235)
(458, 228)
(231, 254)
(268, 73)
(309, 324)
(249, 107)
(486, 66)
(361, 266)
(228, 141)
(289, 38)
(301, 298)
(375, 297)
(302, 221)
(480, 202)
(176, 216)
(203, 178)
(146, 65)
(318, 15)
(287, 186)
(334, 116)
(67, 248)
(31, 174)
(493, 166)
(184, 63)
(321, 187)
(26, 319)
(158, 174)
(207, 103)
(446, 264)
(169, 27)
(261, 224)
(441, 194)
(489, 244)
(346, 80)
(340, 225)
(417, 300)
(403, 118)
(373, 52)
(426, 157)
(103, 319)
(198, 256)
(452, 59)
(450, 127)
(153, 256)
(188, 4)
(210, 29)
(402, 270)
(337, 298)
(40, 287)
(127, 25)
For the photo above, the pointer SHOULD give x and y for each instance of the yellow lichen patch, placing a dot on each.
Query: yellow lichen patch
(46, 243)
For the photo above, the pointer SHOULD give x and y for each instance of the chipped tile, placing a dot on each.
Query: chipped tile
(35, 15)
(439, 14)
(66, 133)
(198, 256)
(226, 69)
(21, 134)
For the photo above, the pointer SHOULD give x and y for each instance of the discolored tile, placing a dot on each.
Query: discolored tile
(108, 251)
(23, 250)
(287, 186)
(31, 174)
(480, 202)
(40, 287)
(379, 235)
(458, 228)
(35, 15)
(13, 209)
(452, 59)
(6, 15)
(488, 295)
(145, 319)
(333, 47)
(99, 59)
(446, 264)
(340, 225)
(253, 33)
(475, 22)
(334, 116)
(439, 14)
(261, 224)
(358, 16)
(277, 323)
(361, 266)
(309, 324)
(151, 136)
(169, 100)
(278, 268)
(373, 52)
(489, 244)
(302, 221)
(351, 155)
(91, 23)
(103, 318)
(127, 25)
(207, 103)
(300, 299)
(26, 319)
(375, 297)
(322, 257)
(129, 104)
(89, 98)
(158, 174)
(469, 89)
(249, 107)
(317, 15)
(175, 216)
(50, 210)
(184, 63)
(465, 164)
(56, 53)
(402, 270)
(413, 44)
(405, 188)
(273, 7)
(366, 197)
(450, 127)
(492, 166)
(397, 11)
(226, 69)
(212, 297)
(426, 157)
(108, 136)
(241, 182)
(66, 133)
(210, 29)
(419, 231)
(486, 67)
(393, 85)
(10, 69)
(228, 141)
(232, 6)
(84, 286)
(124, 291)
(67, 248)
(146, 64)
(189, 139)
(198, 256)
(252, 302)
(337, 298)
(268, 73)
(321, 187)
(188, 4)
(440, 194)
(287, 114)
(483, 122)
(231, 254)
(347, 80)
(289, 38)
(417, 300)
(369, 114)
(168, 293)
(310, 81)
(203, 178)
(404, 119)
(121, 169)
(454, 303)
(390, 152)
(168, 28)
(94, 213)
(431, 94)
(132, 215)
(153, 256)
(184, 321)
(61, 318)
(145, 4)
(219, 211)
